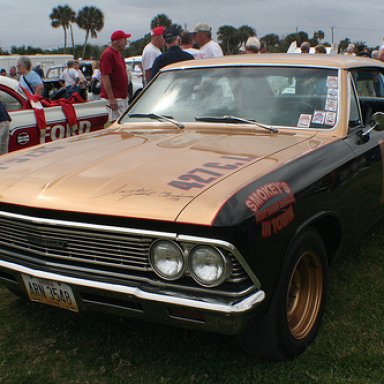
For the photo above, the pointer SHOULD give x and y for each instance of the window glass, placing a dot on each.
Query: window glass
(354, 111)
(369, 82)
(279, 96)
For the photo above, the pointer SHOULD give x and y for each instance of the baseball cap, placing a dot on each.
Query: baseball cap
(117, 35)
(170, 33)
(253, 41)
(202, 27)
(158, 31)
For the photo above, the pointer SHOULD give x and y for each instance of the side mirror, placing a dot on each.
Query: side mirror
(377, 121)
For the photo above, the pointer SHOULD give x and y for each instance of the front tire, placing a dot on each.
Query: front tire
(293, 317)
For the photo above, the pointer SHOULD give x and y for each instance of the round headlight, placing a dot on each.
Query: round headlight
(167, 260)
(208, 266)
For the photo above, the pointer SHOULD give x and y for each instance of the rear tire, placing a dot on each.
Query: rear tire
(292, 320)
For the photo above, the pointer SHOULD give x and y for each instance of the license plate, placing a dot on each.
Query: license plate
(50, 292)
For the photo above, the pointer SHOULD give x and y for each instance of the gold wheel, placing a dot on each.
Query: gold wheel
(305, 294)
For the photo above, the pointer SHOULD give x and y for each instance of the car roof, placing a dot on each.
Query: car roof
(286, 59)
(9, 82)
(133, 58)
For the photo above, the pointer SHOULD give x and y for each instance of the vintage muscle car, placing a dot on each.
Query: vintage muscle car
(216, 202)
(24, 130)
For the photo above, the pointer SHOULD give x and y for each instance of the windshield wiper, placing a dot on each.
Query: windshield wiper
(235, 119)
(157, 116)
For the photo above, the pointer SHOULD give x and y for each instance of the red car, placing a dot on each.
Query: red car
(24, 128)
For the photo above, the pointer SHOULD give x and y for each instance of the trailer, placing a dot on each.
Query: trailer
(46, 61)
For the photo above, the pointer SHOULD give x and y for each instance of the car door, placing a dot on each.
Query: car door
(366, 189)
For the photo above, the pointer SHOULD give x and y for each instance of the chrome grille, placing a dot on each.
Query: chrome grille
(112, 251)
(63, 244)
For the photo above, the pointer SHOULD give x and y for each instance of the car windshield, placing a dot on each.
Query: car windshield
(275, 96)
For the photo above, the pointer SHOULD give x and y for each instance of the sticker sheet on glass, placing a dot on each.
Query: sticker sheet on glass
(332, 82)
(331, 105)
(332, 93)
(330, 118)
(304, 120)
(318, 117)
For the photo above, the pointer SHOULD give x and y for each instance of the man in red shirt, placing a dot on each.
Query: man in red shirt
(114, 78)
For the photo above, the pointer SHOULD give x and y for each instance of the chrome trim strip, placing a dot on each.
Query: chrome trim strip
(131, 231)
(75, 224)
(229, 247)
(238, 308)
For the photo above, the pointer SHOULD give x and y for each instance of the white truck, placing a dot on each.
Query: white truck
(46, 61)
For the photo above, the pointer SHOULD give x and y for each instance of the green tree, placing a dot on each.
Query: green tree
(63, 17)
(318, 38)
(272, 42)
(319, 35)
(229, 38)
(244, 32)
(344, 44)
(91, 19)
(161, 20)
(299, 37)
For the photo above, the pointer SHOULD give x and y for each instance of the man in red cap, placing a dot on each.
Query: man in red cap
(114, 78)
(152, 50)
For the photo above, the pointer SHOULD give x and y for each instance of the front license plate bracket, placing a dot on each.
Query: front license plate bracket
(50, 292)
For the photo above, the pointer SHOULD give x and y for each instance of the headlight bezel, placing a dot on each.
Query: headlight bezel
(224, 260)
(155, 267)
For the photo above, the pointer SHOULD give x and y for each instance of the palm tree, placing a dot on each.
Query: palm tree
(319, 35)
(272, 41)
(63, 16)
(161, 20)
(91, 19)
(245, 31)
(229, 38)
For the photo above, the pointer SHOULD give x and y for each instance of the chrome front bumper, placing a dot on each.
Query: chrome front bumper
(238, 308)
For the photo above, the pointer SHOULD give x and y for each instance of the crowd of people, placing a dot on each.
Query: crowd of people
(110, 80)
(166, 46)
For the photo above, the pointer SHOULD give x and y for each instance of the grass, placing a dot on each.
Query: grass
(44, 345)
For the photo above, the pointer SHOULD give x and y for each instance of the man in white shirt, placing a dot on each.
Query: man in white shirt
(152, 50)
(186, 41)
(203, 37)
(71, 78)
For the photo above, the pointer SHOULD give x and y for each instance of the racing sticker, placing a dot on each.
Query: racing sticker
(330, 118)
(332, 93)
(318, 117)
(331, 105)
(304, 120)
(272, 205)
(332, 82)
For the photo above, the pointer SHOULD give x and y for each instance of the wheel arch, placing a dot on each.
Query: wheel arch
(329, 228)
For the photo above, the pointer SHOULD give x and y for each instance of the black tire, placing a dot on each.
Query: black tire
(292, 320)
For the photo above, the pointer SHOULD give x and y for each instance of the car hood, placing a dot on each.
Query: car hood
(158, 173)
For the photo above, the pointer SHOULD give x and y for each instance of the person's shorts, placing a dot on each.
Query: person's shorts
(122, 105)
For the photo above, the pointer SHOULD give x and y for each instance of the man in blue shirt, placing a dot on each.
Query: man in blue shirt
(174, 52)
(29, 79)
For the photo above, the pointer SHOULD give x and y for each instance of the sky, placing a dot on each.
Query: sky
(26, 22)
